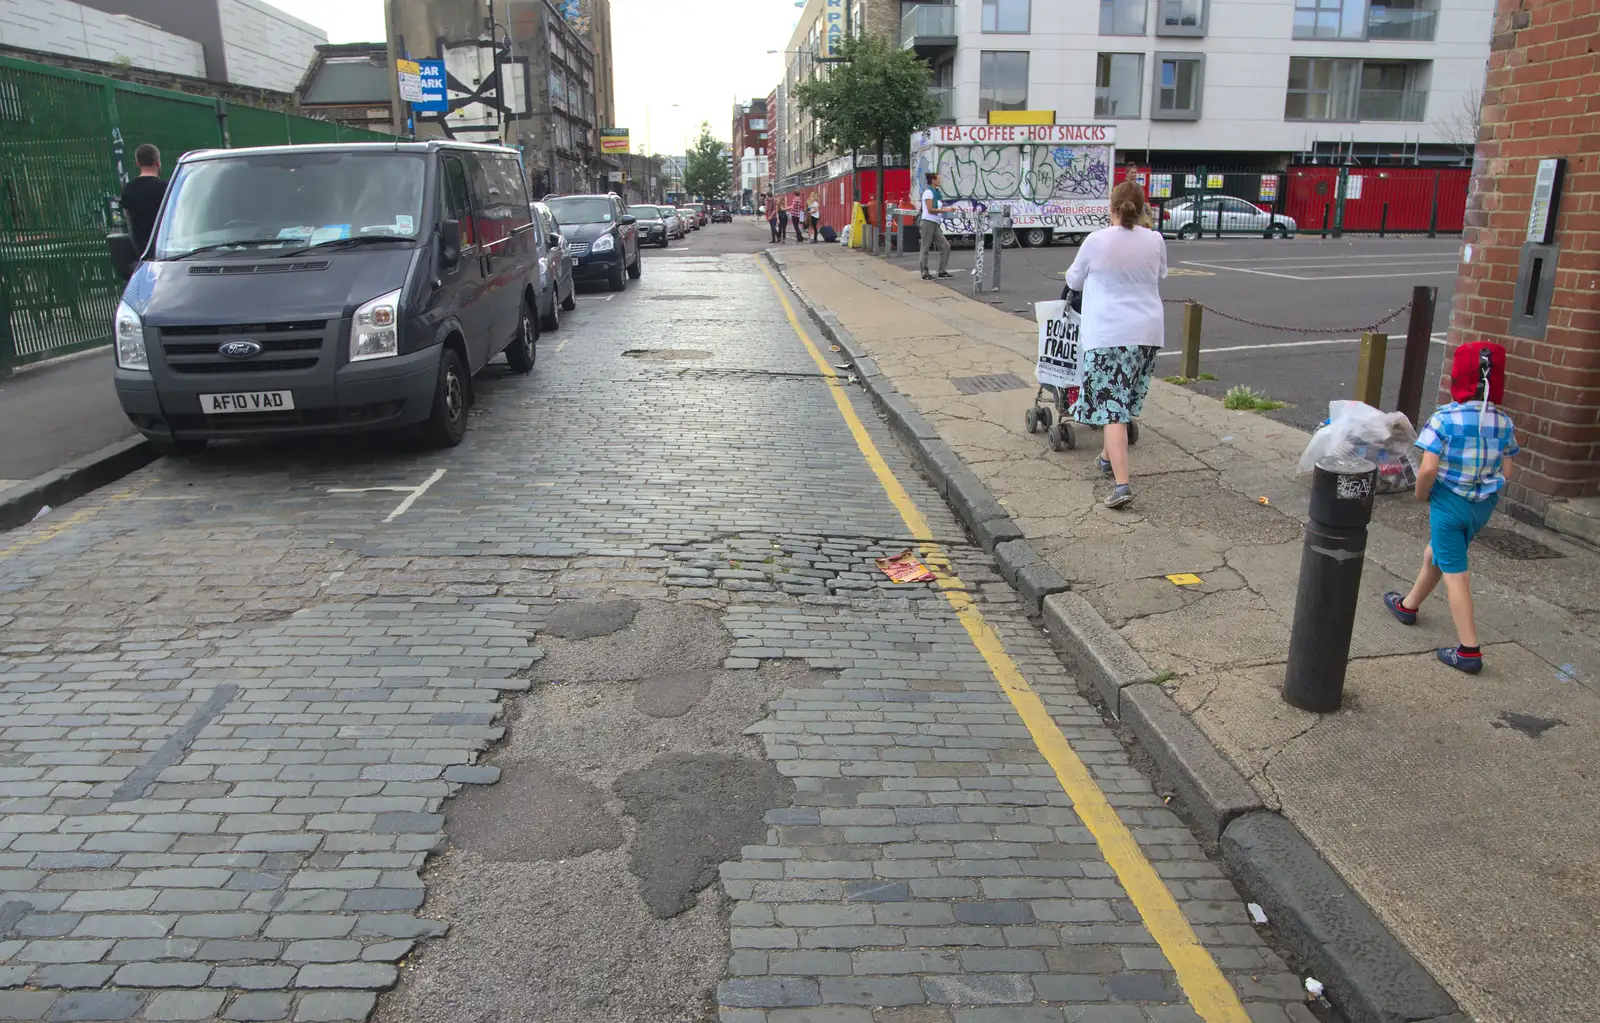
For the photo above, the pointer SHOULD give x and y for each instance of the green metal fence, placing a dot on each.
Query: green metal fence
(66, 149)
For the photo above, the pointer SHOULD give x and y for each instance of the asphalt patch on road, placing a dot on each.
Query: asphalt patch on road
(694, 811)
(586, 619)
(534, 813)
(672, 694)
(658, 637)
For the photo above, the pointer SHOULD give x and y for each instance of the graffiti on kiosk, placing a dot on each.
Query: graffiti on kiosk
(1054, 178)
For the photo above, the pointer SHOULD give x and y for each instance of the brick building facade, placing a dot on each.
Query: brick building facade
(1541, 101)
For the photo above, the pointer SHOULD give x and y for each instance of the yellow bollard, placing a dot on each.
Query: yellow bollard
(1369, 369)
(858, 226)
(1191, 340)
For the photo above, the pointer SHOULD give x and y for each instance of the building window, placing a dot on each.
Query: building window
(758, 123)
(1117, 77)
(1002, 81)
(1006, 15)
(1181, 18)
(1345, 89)
(1330, 19)
(1392, 91)
(1179, 83)
(1122, 17)
(1402, 19)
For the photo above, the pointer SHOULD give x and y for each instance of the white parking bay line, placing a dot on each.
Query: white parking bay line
(412, 493)
(1437, 339)
(1365, 264)
(1335, 277)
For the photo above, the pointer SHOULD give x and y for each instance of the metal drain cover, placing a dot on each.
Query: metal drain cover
(1514, 545)
(992, 382)
(666, 354)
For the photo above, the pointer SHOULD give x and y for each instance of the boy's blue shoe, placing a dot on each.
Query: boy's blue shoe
(1469, 663)
(1395, 602)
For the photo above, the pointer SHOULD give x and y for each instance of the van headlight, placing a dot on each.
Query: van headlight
(131, 352)
(375, 331)
(604, 243)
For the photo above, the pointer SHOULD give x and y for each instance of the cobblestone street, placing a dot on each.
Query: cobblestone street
(606, 715)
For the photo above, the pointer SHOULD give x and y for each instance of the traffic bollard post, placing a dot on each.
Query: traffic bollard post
(1419, 341)
(1191, 340)
(1331, 561)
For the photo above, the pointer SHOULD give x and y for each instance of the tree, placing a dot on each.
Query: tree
(707, 175)
(875, 98)
(1460, 127)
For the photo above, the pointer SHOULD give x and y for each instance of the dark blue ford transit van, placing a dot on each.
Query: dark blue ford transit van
(320, 289)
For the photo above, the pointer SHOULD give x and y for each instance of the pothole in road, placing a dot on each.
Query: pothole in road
(694, 811)
(587, 619)
(666, 354)
(683, 298)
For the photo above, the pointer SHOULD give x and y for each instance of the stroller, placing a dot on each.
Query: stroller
(1056, 421)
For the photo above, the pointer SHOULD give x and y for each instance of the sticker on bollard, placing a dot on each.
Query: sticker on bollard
(1342, 491)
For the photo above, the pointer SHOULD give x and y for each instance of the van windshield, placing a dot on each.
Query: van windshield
(292, 200)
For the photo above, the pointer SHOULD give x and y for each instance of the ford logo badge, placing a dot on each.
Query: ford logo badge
(239, 350)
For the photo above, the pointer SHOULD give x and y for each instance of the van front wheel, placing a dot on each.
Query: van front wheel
(447, 423)
(524, 348)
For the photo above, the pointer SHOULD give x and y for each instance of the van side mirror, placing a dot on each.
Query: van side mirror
(553, 241)
(450, 242)
(124, 257)
(629, 218)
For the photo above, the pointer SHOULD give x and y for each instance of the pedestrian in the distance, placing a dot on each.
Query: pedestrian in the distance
(1119, 270)
(141, 199)
(1468, 446)
(814, 215)
(783, 220)
(930, 221)
(797, 213)
(770, 208)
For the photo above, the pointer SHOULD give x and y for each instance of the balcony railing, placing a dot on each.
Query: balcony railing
(946, 97)
(927, 23)
(1400, 23)
(1391, 105)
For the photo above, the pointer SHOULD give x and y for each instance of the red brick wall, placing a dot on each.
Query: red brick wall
(1541, 99)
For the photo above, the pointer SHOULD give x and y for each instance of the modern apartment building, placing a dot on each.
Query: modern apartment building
(1245, 81)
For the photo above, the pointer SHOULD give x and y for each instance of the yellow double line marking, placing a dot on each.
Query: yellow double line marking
(1209, 992)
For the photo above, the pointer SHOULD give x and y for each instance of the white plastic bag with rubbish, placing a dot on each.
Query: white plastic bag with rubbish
(1355, 428)
(844, 237)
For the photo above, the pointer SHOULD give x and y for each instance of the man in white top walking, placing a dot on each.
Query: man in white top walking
(931, 225)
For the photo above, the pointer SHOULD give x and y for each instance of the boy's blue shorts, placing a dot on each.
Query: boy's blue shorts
(1453, 521)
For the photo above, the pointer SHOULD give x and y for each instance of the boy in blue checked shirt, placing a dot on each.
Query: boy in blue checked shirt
(1468, 445)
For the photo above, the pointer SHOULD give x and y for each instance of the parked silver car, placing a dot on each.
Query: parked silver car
(675, 227)
(1190, 217)
(556, 290)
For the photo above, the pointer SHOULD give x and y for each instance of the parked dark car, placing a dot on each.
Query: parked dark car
(722, 215)
(558, 292)
(293, 290)
(653, 227)
(602, 238)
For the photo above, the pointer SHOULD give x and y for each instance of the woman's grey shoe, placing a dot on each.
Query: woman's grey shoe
(1104, 465)
(1121, 494)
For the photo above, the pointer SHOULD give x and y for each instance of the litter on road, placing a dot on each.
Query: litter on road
(904, 568)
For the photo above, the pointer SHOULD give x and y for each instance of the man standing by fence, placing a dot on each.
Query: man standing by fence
(141, 199)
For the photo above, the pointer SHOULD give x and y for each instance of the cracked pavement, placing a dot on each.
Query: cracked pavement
(1445, 822)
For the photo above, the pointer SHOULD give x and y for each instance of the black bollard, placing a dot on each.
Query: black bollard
(1330, 582)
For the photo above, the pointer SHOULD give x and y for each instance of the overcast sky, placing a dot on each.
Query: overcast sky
(702, 55)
